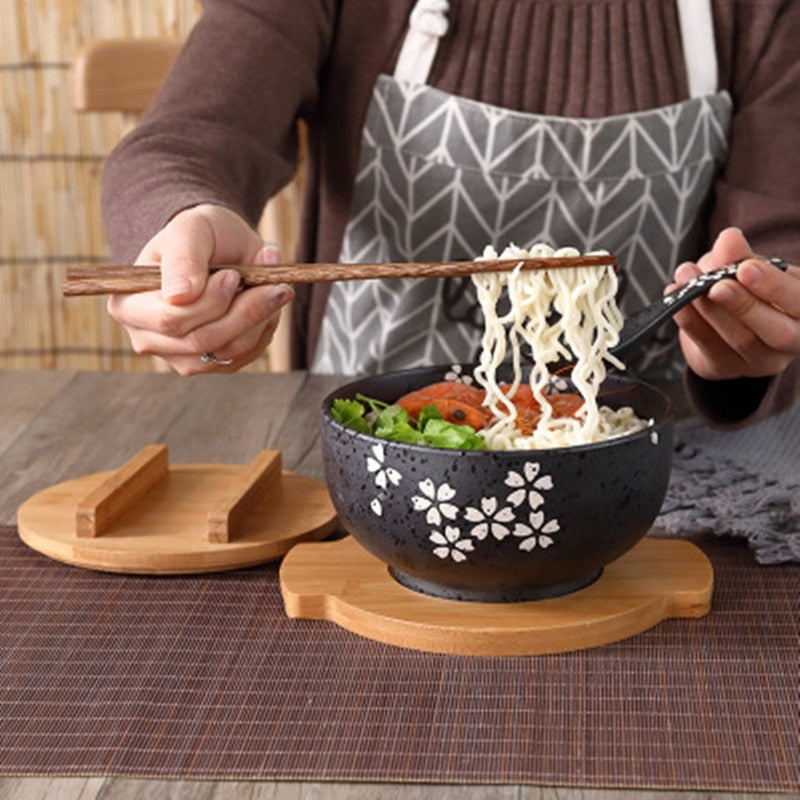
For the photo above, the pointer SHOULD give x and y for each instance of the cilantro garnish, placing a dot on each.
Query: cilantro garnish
(440, 433)
(391, 421)
(350, 413)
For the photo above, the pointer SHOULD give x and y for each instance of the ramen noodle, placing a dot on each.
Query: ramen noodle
(556, 314)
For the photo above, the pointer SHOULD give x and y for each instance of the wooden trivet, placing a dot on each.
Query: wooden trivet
(341, 582)
(150, 517)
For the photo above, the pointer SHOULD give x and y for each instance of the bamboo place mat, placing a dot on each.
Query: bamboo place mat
(205, 677)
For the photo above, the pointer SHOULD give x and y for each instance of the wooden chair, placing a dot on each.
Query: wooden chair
(123, 75)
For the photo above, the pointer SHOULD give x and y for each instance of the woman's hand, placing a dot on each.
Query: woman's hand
(749, 327)
(196, 314)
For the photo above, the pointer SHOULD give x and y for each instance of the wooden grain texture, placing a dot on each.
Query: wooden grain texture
(136, 789)
(165, 531)
(341, 582)
(55, 425)
(225, 519)
(97, 510)
(25, 395)
(219, 419)
(95, 421)
(87, 279)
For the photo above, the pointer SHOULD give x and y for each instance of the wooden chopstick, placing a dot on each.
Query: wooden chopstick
(89, 279)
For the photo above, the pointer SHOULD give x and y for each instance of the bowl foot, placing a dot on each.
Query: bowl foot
(517, 594)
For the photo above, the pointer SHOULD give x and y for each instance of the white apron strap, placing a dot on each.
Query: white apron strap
(426, 25)
(699, 48)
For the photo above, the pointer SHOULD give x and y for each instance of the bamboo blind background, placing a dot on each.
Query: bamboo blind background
(50, 163)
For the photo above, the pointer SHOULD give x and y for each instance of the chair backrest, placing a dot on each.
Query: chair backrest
(123, 75)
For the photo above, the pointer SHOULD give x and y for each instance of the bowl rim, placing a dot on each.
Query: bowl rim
(343, 390)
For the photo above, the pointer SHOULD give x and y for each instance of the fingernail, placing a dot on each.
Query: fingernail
(281, 295)
(176, 285)
(270, 253)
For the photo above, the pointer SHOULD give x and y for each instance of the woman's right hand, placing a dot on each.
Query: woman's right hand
(195, 313)
(749, 327)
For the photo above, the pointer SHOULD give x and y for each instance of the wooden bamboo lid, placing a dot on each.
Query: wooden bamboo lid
(150, 517)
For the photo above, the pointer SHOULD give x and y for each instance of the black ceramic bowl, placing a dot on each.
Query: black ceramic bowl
(498, 526)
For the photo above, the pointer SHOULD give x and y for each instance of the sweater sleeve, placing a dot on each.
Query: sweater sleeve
(222, 128)
(740, 402)
(759, 188)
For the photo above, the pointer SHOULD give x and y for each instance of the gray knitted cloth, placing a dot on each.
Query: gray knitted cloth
(738, 483)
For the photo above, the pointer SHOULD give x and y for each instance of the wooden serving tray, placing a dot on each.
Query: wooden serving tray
(341, 582)
(150, 517)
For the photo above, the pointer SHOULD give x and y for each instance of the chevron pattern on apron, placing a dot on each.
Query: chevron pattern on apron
(442, 176)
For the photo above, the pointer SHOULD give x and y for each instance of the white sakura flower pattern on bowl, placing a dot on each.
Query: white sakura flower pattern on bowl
(528, 486)
(457, 375)
(383, 475)
(536, 532)
(450, 544)
(435, 502)
(490, 518)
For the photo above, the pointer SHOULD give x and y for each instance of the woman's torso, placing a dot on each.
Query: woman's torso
(524, 72)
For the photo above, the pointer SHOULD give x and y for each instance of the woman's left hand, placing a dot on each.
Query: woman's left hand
(749, 327)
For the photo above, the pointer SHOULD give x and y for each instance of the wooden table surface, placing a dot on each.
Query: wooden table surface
(59, 425)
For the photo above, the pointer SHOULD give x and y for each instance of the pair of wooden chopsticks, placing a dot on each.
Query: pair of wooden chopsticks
(91, 279)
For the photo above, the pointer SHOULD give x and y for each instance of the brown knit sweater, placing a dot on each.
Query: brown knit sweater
(222, 129)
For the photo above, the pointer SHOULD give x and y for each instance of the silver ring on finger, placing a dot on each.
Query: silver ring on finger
(210, 358)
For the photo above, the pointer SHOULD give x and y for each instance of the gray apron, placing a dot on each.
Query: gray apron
(441, 176)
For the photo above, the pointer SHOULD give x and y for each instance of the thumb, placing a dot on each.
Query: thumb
(182, 280)
(180, 285)
(186, 251)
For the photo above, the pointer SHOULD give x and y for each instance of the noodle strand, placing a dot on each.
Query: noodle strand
(559, 313)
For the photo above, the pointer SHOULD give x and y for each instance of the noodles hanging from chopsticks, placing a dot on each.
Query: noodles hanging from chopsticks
(558, 314)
